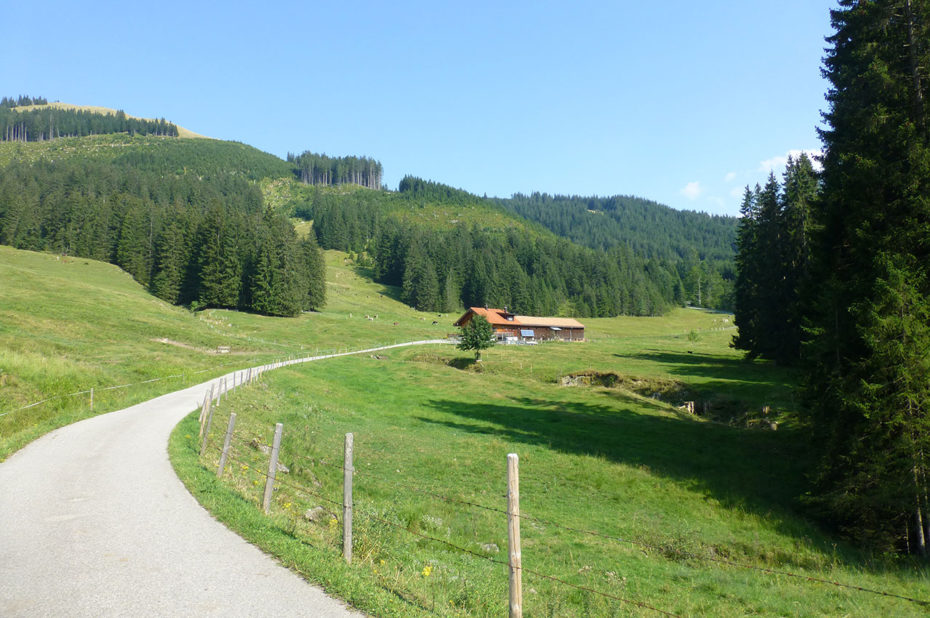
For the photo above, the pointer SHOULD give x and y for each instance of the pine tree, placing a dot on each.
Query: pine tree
(219, 267)
(314, 273)
(421, 285)
(800, 189)
(868, 314)
(746, 290)
(172, 254)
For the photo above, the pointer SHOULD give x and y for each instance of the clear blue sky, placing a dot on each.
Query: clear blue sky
(681, 102)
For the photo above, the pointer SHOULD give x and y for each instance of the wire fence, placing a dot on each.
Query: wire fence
(367, 512)
(280, 362)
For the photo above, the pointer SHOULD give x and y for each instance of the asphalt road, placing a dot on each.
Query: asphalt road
(94, 522)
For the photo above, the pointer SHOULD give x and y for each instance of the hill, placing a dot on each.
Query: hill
(626, 500)
(690, 497)
(650, 229)
(71, 324)
(444, 248)
(105, 111)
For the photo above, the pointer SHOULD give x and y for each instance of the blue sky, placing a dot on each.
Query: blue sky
(680, 102)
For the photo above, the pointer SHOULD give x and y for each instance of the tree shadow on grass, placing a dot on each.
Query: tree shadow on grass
(755, 471)
(715, 366)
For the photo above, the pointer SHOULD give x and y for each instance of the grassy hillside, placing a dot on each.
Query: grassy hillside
(68, 325)
(182, 132)
(297, 200)
(163, 154)
(616, 457)
(692, 514)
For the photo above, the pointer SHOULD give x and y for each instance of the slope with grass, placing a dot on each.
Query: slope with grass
(694, 515)
(68, 325)
(603, 443)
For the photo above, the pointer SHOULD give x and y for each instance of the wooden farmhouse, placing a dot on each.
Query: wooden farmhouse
(512, 328)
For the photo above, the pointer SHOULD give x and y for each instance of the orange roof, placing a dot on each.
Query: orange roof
(498, 317)
(495, 317)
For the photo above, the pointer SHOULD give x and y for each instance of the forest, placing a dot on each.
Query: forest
(319, 169)
(36, 125)
(833, 278)
(200, 242)
(187, 219)
(526, 269)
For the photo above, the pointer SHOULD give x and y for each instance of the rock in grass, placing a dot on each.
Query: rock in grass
(318, 515)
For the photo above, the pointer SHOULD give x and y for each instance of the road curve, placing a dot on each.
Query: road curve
(94, 522)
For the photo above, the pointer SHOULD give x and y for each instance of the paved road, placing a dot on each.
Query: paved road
(94, 522)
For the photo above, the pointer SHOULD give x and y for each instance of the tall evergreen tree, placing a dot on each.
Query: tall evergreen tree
(421, 285)
(219, 267)
(799, 191)
(870, 310)
(746, 290)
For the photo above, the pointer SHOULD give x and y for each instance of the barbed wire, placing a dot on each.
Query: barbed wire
(387, 522)
(507, 564)
(653, 547)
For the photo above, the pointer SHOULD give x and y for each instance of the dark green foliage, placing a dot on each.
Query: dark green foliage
(418, 188)
(193, 233)
(529, 274)
(700, 245)
(172, 255)
(219, 261)
(23, 99)
(318, 169)
(314, 275)
(420, 284)
(36, 125)
(868, 362)
(772, 261)
(522, 267)
(477, 335)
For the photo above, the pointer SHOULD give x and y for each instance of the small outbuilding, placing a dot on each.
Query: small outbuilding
(512, 328)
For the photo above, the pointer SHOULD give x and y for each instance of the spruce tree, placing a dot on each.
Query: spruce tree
(798, 194)
(868, 312)
(746, 292)
(420, 285)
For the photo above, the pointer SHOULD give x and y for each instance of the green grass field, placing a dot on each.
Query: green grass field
(691, 514)
(70, 324)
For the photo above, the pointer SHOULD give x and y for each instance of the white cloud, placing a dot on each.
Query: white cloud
(730, 177)
(737, 192)
(778, 162)
(692, 190)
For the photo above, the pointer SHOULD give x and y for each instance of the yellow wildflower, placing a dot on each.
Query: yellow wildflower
(427, 570)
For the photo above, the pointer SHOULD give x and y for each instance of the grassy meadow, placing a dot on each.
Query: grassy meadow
(674, 501)
(70, 324)
(691, 514)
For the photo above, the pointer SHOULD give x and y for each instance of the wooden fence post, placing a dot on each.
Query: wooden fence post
(272, 467)
(206, 431)
(91, 398)
(513, 535)
(207, 400)
(229, 433)
(347, 499)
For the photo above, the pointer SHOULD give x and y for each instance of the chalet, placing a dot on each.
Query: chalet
(511, 328)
